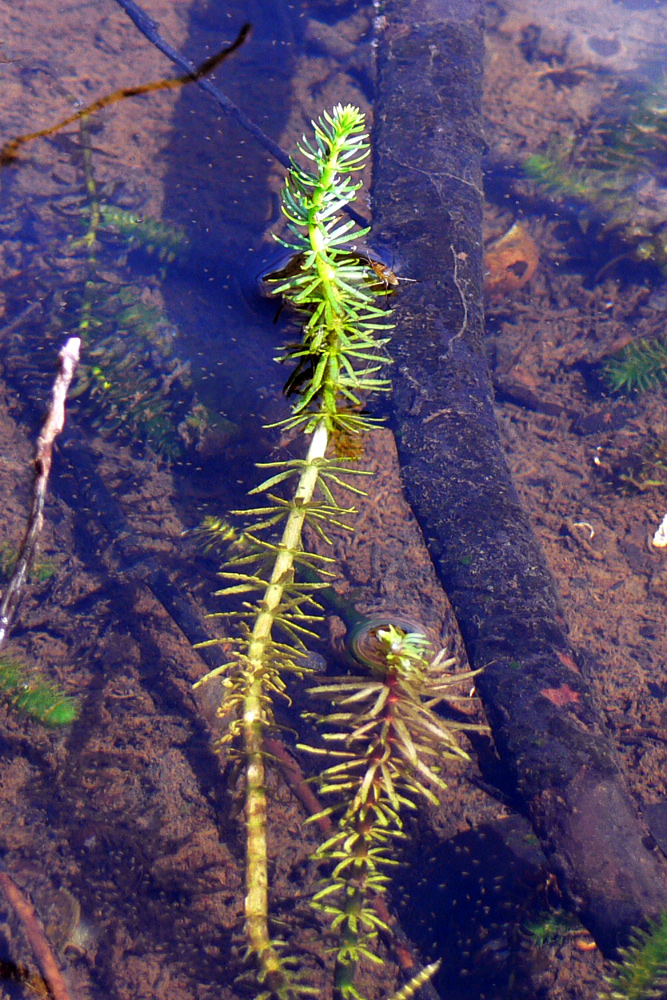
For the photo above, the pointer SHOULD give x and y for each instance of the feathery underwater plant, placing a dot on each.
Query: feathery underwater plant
(391, 744)
(335, 363)
(130, 381)
(129, 372)
(156, 236)
(641, 974)
(617, 175)
(28, 692)
(338, 357)
(641, 365)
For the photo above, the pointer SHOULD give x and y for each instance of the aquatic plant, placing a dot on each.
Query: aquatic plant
(617, 174)
(165, 239)
(642, 466)
(134, 385)
(130, 381)
(336, 363)
(641, 365)
(130, 377)
(339, 351)
(641, 974)
(28, 692)
(40, 571)
(391, 744)
(552, 927)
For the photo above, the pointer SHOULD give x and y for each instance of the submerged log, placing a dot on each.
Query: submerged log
(427, 205)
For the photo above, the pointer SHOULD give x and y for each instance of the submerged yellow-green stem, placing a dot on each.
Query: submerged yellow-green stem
(255, 719)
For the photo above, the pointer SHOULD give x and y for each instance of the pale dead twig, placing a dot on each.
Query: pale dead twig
(55, 421)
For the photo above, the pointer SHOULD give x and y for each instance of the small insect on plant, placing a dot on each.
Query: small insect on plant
(359, 256)
(388, 279)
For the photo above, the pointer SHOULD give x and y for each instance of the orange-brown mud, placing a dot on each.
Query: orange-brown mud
(126, 830)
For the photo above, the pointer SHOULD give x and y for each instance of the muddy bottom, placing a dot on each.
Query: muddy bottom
(126, 830)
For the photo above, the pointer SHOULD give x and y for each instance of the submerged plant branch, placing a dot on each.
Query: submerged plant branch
(10, 150)
(391, 744)
(337, 357)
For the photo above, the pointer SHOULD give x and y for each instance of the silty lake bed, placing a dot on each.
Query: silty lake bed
(126, 830)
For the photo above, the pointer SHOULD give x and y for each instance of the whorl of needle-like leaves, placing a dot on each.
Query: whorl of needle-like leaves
(641, 973)
(641, 365)
(391, 742)
(342, 337)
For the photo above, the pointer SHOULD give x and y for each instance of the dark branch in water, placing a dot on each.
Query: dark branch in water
(148, 27)
(193, 75)
(546, 724)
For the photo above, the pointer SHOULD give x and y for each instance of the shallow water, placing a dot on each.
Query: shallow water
(127, 830)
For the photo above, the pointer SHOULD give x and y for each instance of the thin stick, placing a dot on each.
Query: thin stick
(10, 150)
(55, 421)
(148, 27)
(34, 932)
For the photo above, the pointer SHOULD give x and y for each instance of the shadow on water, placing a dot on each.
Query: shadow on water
(217, 186)
(469, 901)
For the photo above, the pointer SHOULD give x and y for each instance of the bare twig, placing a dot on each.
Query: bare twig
(34, 932)
(55, 421)
(149, 28)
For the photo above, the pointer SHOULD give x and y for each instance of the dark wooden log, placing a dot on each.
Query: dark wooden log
(427, 208)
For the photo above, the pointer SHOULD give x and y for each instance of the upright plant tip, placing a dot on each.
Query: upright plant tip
(342, 341)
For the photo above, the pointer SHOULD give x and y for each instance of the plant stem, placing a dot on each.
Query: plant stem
(255, 717)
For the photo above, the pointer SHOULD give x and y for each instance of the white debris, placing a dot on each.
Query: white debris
(660, 537)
